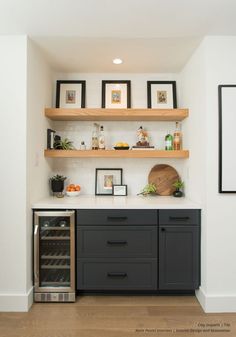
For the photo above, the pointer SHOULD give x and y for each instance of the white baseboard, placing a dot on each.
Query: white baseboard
(16, 302)
(216, 303)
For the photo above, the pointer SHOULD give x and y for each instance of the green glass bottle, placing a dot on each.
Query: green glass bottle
(168, 142)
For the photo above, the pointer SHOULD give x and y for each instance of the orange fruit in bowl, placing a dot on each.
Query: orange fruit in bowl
(77, 188)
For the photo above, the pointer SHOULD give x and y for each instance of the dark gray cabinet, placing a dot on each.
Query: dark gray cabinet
(117, 249)
(138, 249)
(179, 249)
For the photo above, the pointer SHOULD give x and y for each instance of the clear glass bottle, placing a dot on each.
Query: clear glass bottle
(95, 137)
(82, 146)
(177, 141)
(101, 139)
(168, 141)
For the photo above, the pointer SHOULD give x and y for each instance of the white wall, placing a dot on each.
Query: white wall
(193, 96)
(135, 171)
(13, 70)
(39, 96)
(25, 88)
(212, 64)
(221, 230)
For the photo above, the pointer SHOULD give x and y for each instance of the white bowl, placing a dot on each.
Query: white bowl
(73, 193)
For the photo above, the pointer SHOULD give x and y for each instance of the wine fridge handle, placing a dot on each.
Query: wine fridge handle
(36, 255)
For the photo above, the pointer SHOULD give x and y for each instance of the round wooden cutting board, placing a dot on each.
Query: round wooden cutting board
(163, 176)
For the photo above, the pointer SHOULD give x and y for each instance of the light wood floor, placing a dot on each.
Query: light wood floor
(123, 316)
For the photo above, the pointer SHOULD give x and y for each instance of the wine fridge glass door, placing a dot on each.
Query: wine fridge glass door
(54, 252)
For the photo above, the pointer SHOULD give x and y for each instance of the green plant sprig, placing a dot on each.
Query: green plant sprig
(64, 144)
(148, 189)
(178, 184)
(58, 177)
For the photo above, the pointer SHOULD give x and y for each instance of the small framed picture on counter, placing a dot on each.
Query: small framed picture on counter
(70, 94)
(105, 178)
(120, 190)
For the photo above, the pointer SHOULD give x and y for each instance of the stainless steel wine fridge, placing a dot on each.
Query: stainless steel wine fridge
(54, 256)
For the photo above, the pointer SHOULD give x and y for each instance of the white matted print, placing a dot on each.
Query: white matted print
(70, 94)
(116, 94)
(105, 179)
(161, 95)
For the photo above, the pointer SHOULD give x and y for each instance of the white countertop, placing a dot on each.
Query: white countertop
(116, 202)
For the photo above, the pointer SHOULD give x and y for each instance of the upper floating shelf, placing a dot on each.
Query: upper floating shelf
(60, 114)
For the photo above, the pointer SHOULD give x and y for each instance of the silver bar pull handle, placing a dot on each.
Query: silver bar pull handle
(36, 256)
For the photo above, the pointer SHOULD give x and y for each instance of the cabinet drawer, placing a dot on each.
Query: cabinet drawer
(179, 217)
(116, 241)
(122, 274)
(116, 217)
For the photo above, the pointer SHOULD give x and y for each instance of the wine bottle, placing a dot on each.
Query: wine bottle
(168, 141)
(95, 137)
(177, 141)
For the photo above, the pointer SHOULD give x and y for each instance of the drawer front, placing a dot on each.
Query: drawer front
(101, 274)
(116, 241)
(116, 217)
(179, 217)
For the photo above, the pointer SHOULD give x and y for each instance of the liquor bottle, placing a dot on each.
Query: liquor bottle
(177, 142)
(101, 139)
(82, 146)
(168, 141)
(95, 137)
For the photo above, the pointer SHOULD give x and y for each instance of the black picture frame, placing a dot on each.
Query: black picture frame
(83, 92)
(104, 92)
(109, 189)
(149, 94)
(117, 194)
(221, 112)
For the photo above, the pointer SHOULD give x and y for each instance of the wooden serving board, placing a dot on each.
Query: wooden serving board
(163, 176)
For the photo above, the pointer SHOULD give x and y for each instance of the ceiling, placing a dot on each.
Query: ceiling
(149, 35)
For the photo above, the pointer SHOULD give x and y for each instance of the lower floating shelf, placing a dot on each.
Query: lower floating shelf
(116, 154)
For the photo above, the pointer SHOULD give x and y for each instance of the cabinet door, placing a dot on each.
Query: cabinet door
(179, 257)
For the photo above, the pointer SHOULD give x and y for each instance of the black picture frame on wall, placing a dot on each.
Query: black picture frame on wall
(70, 94)
(227, 144)
(105, 178)
(161, 95)
(116, 94)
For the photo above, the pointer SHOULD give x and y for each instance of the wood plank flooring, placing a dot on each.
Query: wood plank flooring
(113, 316)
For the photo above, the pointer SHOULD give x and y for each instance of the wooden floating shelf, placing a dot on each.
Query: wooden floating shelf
(116, 154)
(60, 114)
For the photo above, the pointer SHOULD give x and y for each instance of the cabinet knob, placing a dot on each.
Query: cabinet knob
(163, 229)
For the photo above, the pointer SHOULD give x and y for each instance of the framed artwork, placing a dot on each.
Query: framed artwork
(161, 94)
(121, 190)
(116, 94)
(70, 94)
(105, 178)
(227, 144)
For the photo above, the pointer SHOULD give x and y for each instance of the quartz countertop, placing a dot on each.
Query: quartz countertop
(116, 202)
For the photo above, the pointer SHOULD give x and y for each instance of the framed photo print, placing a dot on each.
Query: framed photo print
(105, 178)
(116, 94)
(70, 94)
(161, 94)
(120, 190)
